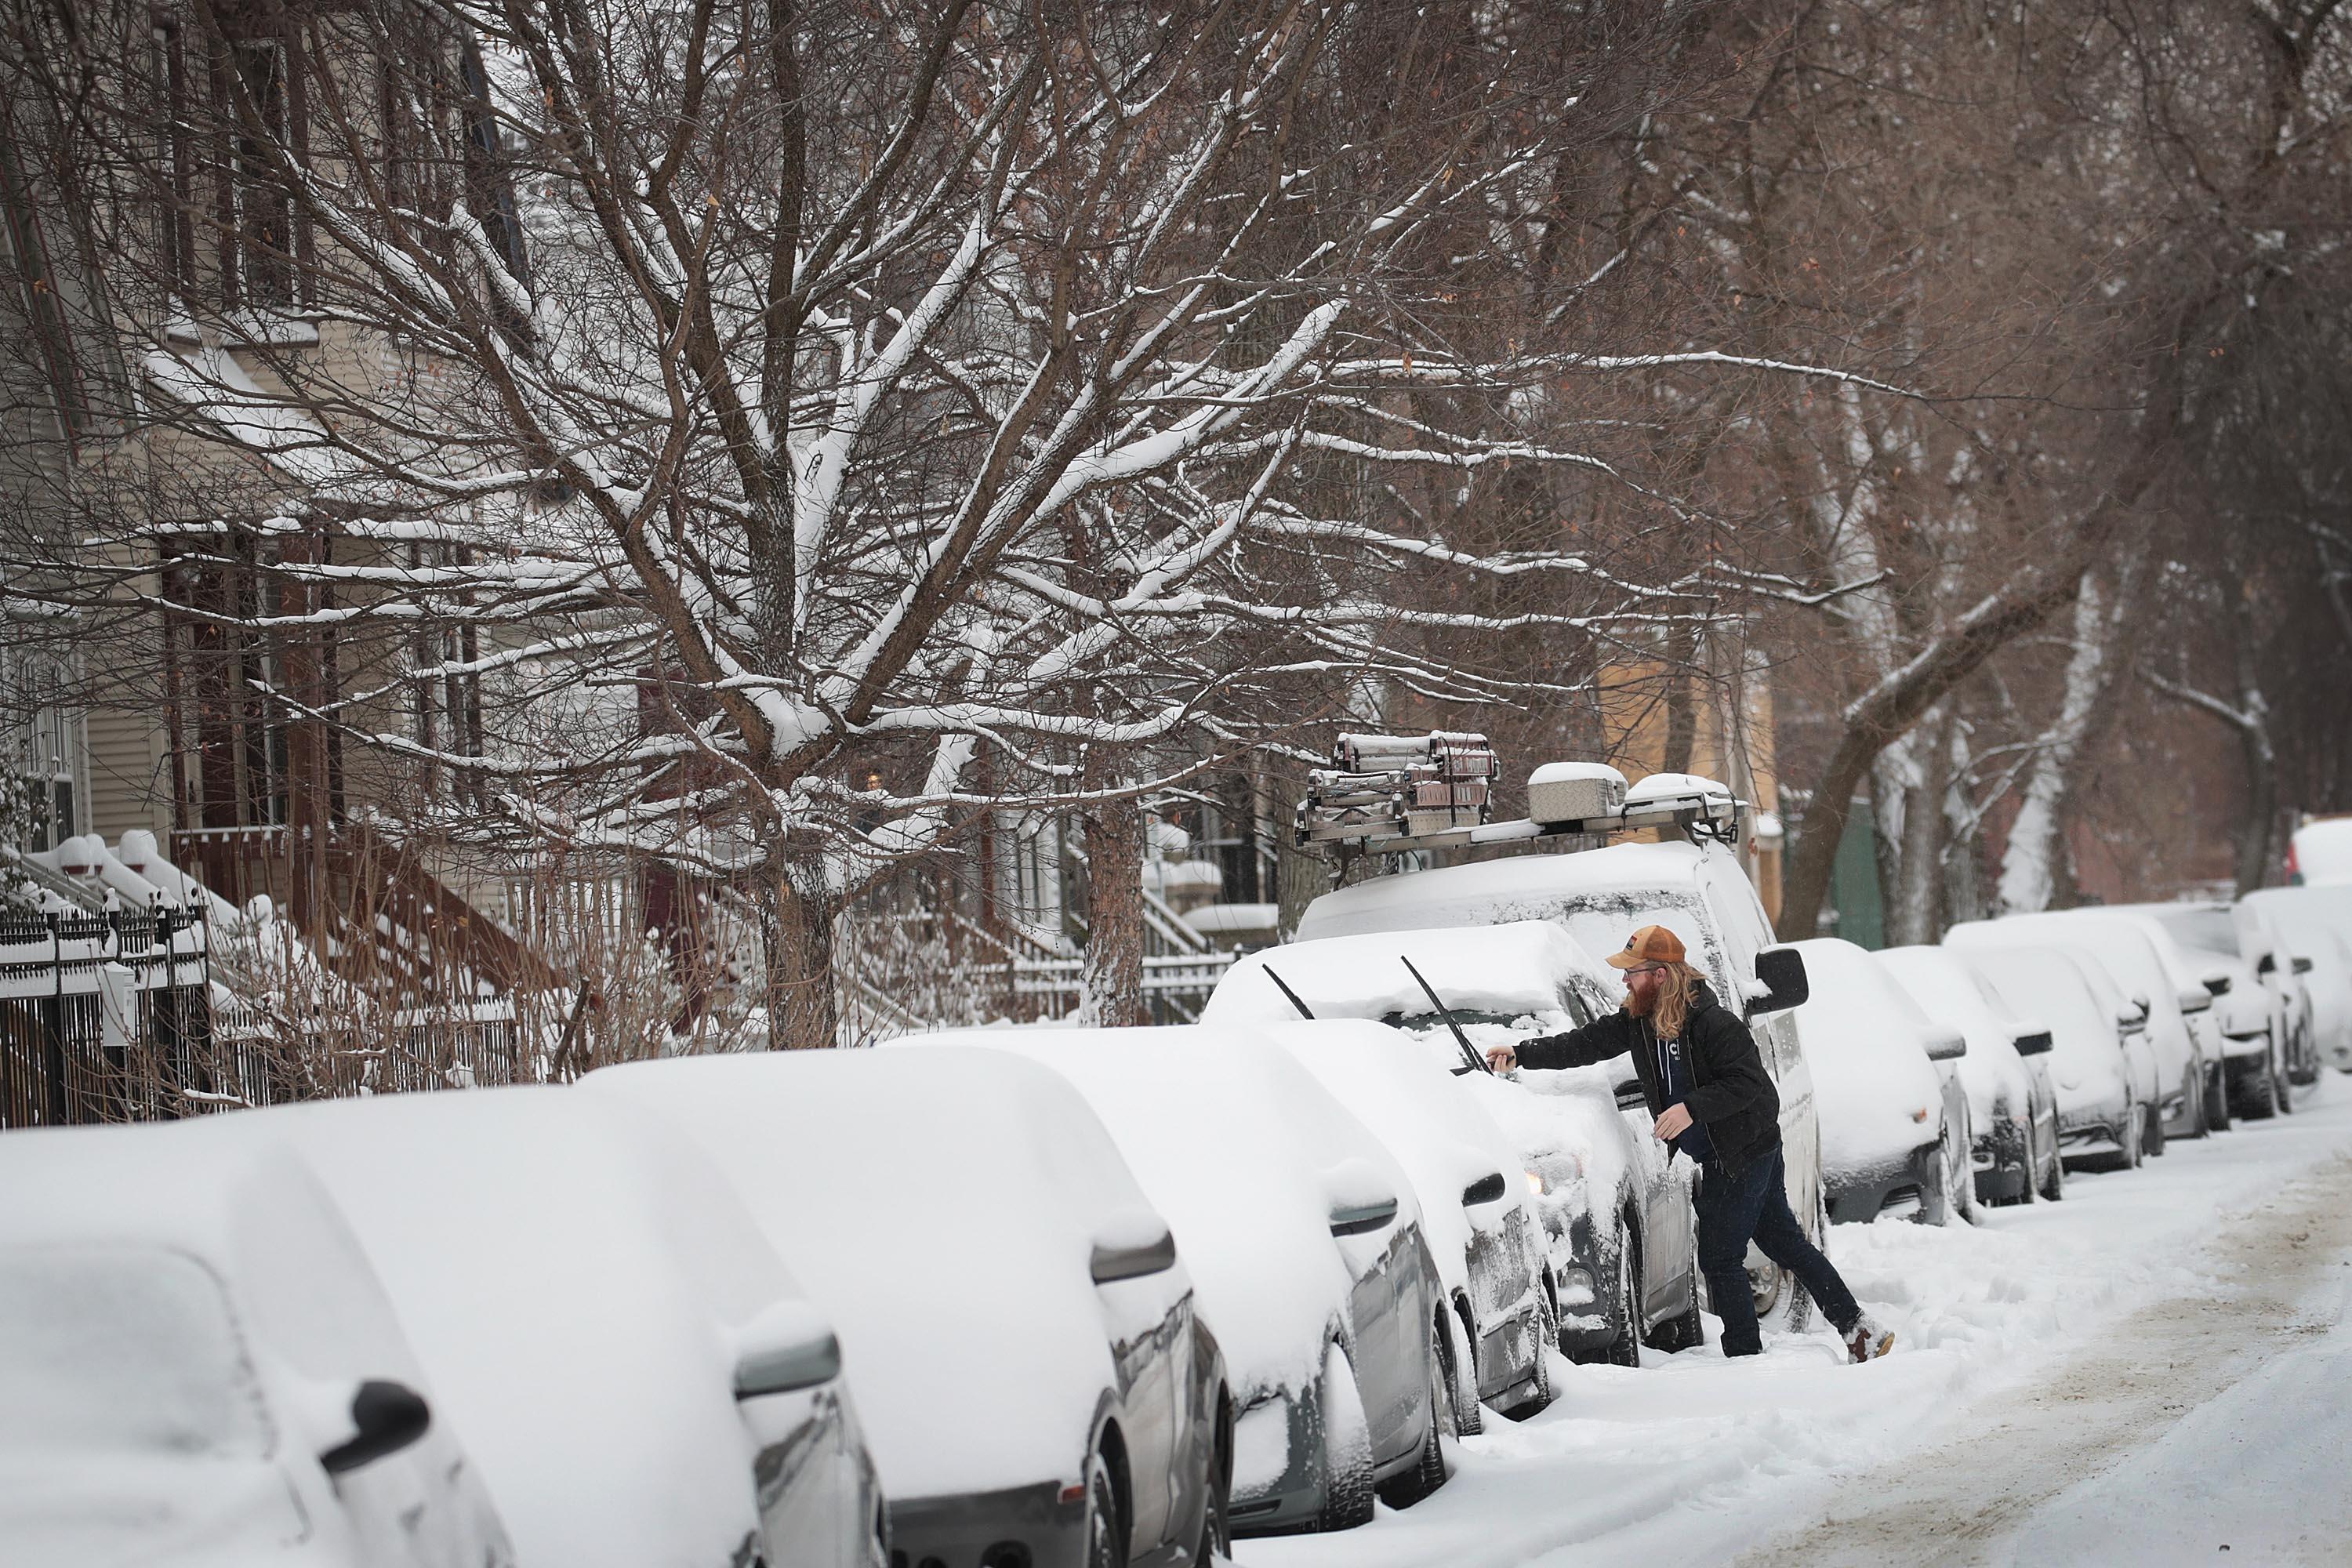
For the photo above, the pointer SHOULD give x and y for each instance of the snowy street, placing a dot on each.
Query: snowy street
(2155, 1370)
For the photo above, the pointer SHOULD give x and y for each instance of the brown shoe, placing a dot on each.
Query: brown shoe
(1867, 1340)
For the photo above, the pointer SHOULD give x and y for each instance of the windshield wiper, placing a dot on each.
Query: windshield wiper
(1469, 1051)
(1304, 1011)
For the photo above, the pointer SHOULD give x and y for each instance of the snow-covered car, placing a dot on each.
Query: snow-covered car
(2249, 1018)
(2012, 1106)
(2320, 853)
(2101, 1067)
(1013, 1316)
(696, 1414)
(1305, 1242)
(1475, 1207)
(2262, 942)
(2233, 1034)
(2316, 924)
(1613, 1212)
(1600, 896)
(199, 1367)
(1895, 1132)
(2125, 948)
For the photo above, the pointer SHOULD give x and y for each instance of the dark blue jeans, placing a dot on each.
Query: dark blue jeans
(1754, 1205)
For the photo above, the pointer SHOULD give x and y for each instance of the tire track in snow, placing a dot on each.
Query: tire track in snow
(2039, 1472)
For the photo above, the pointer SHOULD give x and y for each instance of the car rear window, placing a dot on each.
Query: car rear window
(123, 1348)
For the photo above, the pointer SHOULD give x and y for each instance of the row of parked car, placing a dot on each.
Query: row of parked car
(1021, 1297)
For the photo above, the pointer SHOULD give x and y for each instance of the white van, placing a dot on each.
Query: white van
(1601, 896)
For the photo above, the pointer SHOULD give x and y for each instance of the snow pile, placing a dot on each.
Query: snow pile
(1247, 1156)
(1877, 1095)
(941, 1207)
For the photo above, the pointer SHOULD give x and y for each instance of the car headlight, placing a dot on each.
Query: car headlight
(1537, 1185)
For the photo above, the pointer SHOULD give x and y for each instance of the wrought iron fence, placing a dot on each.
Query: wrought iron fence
(106, 1018)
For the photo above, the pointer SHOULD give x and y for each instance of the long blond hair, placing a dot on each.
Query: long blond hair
(1670, 1009)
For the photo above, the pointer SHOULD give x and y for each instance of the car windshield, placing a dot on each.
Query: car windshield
(2209, 929)
(125, 1349)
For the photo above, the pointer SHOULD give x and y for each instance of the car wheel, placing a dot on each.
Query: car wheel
(1216, 1512)
(2134, 1143)
(1428, 1472)
(1347, 1445)
(2217, 1100)
(1625, 1350)
(1106, 1542)
(1547, 1340)
(2263, 1090)
(1461, 1373)
(1960, 1169)
(2053, 1186)
(2284, 1079)
(1684, 1331)
(2152, 1119)
(1936, 1192)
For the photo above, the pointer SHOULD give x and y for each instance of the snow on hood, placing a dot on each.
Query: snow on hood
(940, 1207)
(1247, 1156)
(1867, 1042)
(1600, 896)
(1525, 967)
(1430, 1120)
(1948, 991)
(2087, 1069)
(571, 1272)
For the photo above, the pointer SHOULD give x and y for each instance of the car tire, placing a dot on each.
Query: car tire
(2152, 1120)
(1461, 1373)
(2261, 1097)
(2217, 1100)
(1546, 1342)
(1105, 1537)
(2134, 1143)
(1685, 1330)
(2053, 1186)
(1347, 1445)
(1962, 1172)
(1625, 1350)
(1936, 1192)
(1428, 1472)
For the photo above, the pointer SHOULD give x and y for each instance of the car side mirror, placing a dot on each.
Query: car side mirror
(787, 1348)
(2034, 1042)
(2195, 999)
(386, 1417)
(2131, 1020)
(1136, 1245)
(1362, 1218)
(1485, 1189)
(2216, 982)
(2268, 964)
(1947, 1045)
(2302, 966)
(1782, 970)
(1630, 1095)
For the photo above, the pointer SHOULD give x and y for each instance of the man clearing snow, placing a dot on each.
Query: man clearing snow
(1706, 1084)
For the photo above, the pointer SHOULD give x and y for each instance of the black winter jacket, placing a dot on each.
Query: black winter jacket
(1730, 1092)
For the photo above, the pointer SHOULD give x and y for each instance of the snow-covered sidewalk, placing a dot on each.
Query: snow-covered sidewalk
(1717, 1458)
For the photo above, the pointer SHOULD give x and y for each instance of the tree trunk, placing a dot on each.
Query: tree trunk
(2028, 863)
(796, 917)
(1915, 899)
(1112, 973)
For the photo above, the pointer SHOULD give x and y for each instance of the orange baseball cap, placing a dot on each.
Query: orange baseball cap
(1651, 944)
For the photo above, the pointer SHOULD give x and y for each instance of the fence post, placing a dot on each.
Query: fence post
(53, 1023)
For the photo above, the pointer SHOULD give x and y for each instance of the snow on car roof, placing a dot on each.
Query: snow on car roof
(1247, 1156)
(569, 1269)
(1601, 896)
(247, 1208)
(1948, 991)
(2323, 851)
(1867, 1041)
(940, 1209)
(1429, 1121)
(1519, 967)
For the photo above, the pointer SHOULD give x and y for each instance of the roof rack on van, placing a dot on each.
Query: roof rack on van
(1388, 794)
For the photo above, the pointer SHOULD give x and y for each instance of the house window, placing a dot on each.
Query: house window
(47, 757)
(230, 728)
